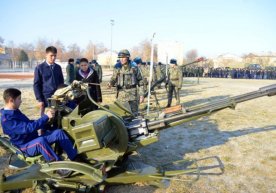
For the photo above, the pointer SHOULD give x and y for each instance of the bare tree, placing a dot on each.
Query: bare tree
(40, 47)
(191, 55)
(61, 51)
(89, 52)
(74, 51)
(100, 48)
(144, 51)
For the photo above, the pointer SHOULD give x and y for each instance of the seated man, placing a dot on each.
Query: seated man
(23, 131)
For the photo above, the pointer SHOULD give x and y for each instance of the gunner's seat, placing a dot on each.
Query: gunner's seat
(22, 160)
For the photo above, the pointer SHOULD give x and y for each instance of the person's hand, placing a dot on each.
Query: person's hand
(142, 99)
(50, 113)
(108, 85)
(40, 104)
(40, 132)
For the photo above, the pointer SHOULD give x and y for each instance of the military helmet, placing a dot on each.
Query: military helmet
(124, 54)
(138, 60)
(173, 61)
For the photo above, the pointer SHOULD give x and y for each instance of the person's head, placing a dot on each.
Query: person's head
(138, 61)
(51, 54)
(71, 61)
(173, 62)
(84, 64)
(124, 56)
(94, 63)
(12, 98)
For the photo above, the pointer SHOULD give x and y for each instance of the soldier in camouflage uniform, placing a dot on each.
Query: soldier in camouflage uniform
(127, 78)
(174, 82)
(144, 71)
(98, 69)
(159, 73)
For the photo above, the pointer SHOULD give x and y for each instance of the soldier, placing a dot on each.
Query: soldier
(127, 77)
(77, 67)
(70, 71)
(97, 67)
(159, 73)
(144, 71)
(174, 81)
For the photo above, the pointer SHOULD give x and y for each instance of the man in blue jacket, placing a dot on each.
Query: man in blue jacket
(47, 77)
(23, 131)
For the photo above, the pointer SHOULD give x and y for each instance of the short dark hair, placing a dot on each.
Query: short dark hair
(51, 49)
(71, 60)
(11, 93)
(83, 60)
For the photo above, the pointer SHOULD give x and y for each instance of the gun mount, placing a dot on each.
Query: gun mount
(105, 137)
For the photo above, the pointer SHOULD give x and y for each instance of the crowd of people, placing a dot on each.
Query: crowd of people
(234, 73)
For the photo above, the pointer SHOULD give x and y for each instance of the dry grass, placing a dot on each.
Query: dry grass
(243, 139)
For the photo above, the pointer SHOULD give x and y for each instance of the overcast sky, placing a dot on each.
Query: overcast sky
(212, 27)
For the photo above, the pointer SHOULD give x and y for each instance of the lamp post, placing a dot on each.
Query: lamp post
(112, 22)
(151, 71)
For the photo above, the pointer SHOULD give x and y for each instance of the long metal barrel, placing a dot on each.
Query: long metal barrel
(217, 105)
(196, 61)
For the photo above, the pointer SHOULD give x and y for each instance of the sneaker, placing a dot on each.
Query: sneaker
(64, 173)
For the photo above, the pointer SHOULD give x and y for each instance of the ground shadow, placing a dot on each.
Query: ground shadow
(191, 137)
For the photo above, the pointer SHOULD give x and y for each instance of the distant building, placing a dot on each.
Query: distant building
(263, 58)
(107, 58)
(227, 60)
(170, 49)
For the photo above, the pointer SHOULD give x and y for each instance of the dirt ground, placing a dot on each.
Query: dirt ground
(242, 139)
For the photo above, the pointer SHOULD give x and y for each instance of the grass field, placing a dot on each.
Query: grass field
(243, 139)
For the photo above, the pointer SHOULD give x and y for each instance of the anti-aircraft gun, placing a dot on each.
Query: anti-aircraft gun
(105, 138)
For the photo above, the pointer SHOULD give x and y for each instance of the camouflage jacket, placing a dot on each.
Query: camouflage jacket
(144, 70)
(127, 79)
(98, 69)
(175, 76)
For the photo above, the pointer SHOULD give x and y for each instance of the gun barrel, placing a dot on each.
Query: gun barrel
(214, 106)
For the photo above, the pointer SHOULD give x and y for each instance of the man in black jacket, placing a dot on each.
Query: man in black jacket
(47, 77)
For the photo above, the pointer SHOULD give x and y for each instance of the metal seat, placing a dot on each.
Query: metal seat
(5, 143)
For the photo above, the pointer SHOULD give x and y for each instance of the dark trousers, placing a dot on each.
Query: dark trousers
(42, 145)
(175, 90)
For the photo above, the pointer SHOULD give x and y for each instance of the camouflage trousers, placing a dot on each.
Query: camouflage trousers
(131, 97)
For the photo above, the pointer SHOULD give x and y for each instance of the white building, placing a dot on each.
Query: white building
(170, 49)
(227, 60)
(107, 58)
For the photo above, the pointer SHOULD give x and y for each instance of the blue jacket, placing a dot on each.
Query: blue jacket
(118, 65)
(46, 81)
(19, 127)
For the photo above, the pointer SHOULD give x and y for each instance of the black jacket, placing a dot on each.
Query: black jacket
(95, 90)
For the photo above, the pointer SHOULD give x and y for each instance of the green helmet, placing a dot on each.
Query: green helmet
(124, 54)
